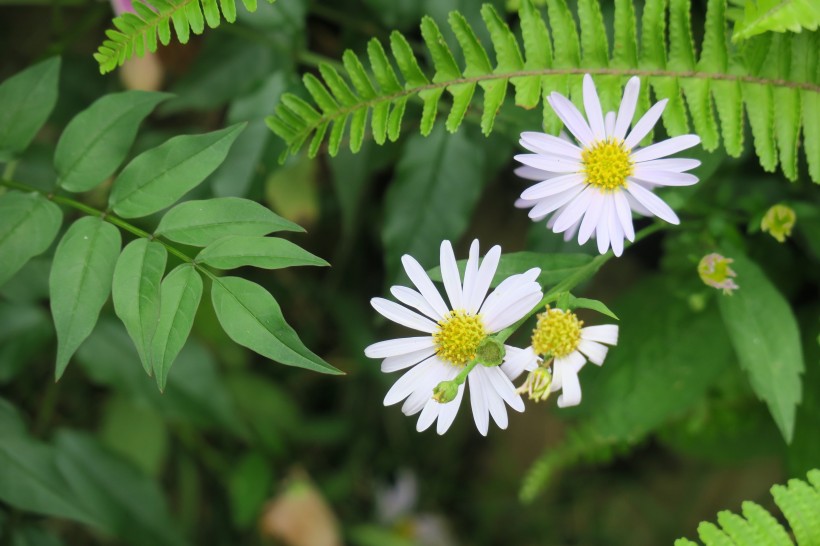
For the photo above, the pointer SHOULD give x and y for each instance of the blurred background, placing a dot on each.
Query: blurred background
(240, 450)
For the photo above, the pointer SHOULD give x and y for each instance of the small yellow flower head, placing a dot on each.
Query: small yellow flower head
(714, 271)
(537, 385)
(779, 221)
(557, 333)
(607, 164)
(458, 336)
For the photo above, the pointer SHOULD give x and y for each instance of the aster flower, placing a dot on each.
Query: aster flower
(452, 337)
(559, 340)
(593, 187)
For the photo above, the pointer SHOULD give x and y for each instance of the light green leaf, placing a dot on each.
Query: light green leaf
(252, 318)
(180, 294)
(595, 305)
(554, 267)
(136, 293)
(97, 140)
(766, 338)
(136, 431)
(761, 16)
(27, 99)
(28, 225)
(265, 252)
(200, 223)
(249, 486)
(158, 177)
(80, 282)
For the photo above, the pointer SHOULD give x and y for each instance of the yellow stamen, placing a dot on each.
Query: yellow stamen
(606, 164)
(557, 333)
(458, 336)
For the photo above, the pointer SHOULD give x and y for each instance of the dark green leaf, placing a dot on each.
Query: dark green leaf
(97, 140)
(28, 225)
(159, 177)
(200, 223)
(27, 99)
(265, 252)
(80, 282)
(249, 486)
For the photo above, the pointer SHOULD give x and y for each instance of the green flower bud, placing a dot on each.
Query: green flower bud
(779, 221)
(490, 352)
(445, 391)
(714, 271)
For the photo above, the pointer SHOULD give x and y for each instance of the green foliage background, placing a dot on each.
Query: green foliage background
(706, 402)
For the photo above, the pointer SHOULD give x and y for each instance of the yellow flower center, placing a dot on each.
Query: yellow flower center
(606, 164)
(458, 336)
(557, 333)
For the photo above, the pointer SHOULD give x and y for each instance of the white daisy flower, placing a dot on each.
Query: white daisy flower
(561, 337)
(591, 188)
(452, 336)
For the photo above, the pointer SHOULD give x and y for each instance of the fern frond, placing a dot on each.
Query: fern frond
(776, 15)
(138, 32)
(800, 503)
(776, 81)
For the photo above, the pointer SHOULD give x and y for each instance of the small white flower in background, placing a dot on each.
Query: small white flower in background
(592, 188)
(452, 336)
(560, 337)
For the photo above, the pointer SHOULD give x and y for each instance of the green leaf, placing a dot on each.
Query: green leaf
(446, 174)
(136, 293)
(131, 505)
(554, 267)
(252, 318)
(249, 486)
(28, 225)
(180, 294)
(138, 432)
(97, 140)
(80, 282)
(761, 16)
(158, 177)
(766, 339)
(265, 252)
(200, 223)
(27, 99)
(595, 305)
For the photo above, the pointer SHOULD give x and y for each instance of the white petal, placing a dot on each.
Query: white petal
(494, 401)
(627, 109)
(665, 147)
(635, 205)
(571, 231)
(624, 214)
(616, 233)
(409, 382)
(531, 173)
(663, 178)
(411, 298)
(513, 313)
(481, 413)
(549, 204)
(594, 351)
(570, 392)
(592, 216)
(592, 106)
(403, 315)
(570, 364)
(517, 361)
(604, 333)
(420, 279)
(424, 391)
(652, 202)
(548, 144)
(574, 211)
(400, 346)
(504, 387)
(675, 164)
(470, 272)
(645, 124)
(447, 413)
(602, 231)
(400, 362)
(428, 415)
(450, 275)
(484, 278)
(553, 186)
(572, 118)
(609, 123)
(508, 292)
(553, 164)
(524, 203)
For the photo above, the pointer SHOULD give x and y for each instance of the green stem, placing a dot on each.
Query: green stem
(104, 215)
(462, 375)
(572, 281)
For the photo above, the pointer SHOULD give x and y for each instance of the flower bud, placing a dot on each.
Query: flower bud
(714, 271)
(490, 352)
(779, 221)
(445, 391)
(537, 385)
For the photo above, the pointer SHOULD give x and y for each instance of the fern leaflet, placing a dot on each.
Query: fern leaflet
(800, 503)
(776, 15)
(778, 79)
(138, 32)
